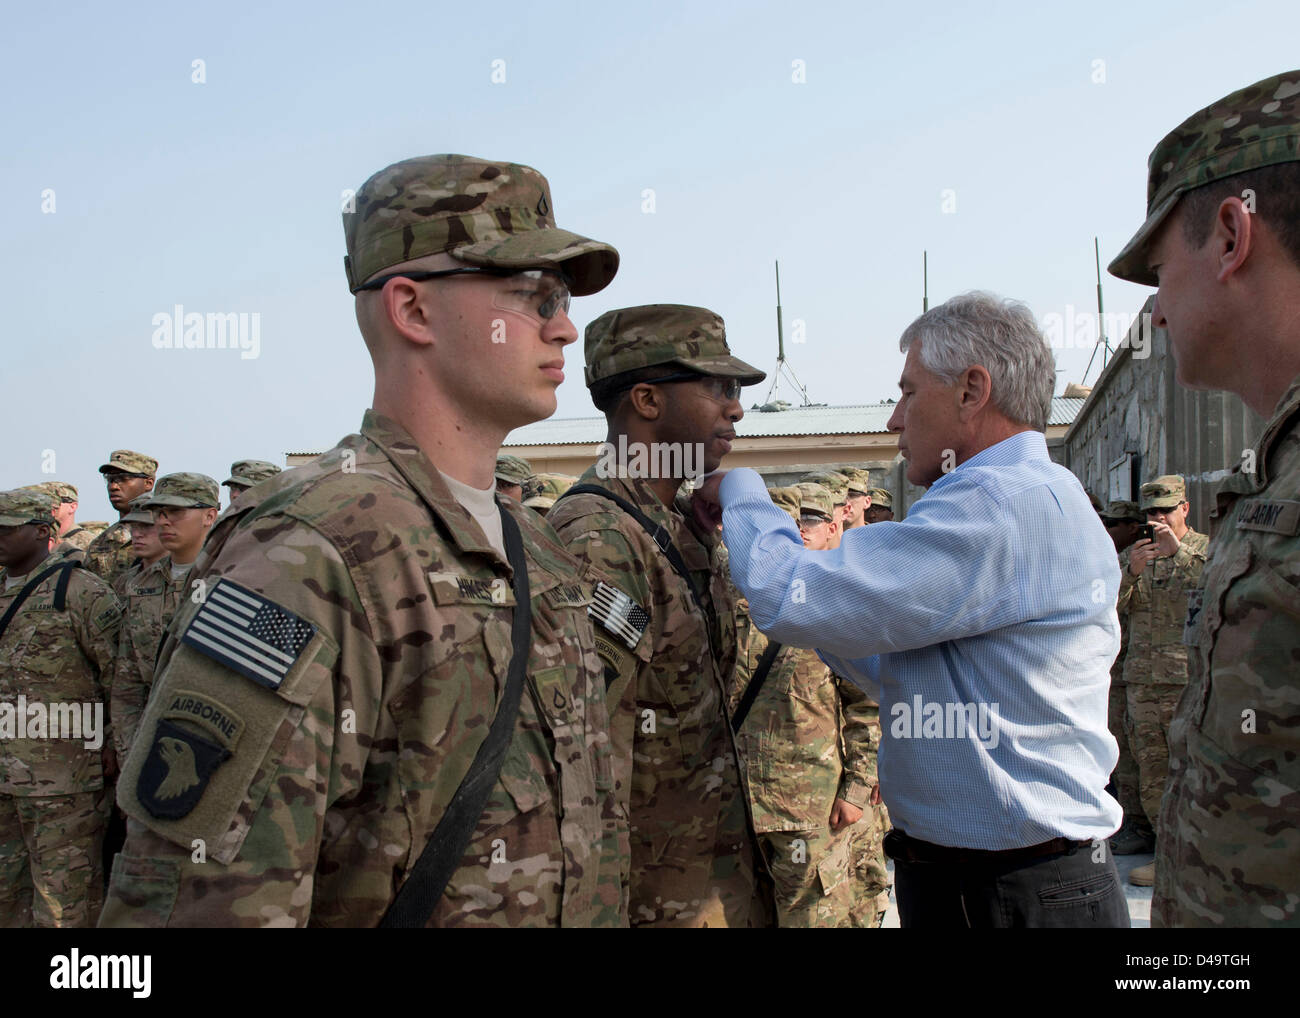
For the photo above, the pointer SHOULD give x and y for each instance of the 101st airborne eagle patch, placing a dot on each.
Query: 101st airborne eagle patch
(177, 770)
(249, 633)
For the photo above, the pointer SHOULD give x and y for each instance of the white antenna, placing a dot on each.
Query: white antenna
(781, 365)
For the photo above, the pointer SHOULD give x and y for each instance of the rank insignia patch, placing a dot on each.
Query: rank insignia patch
(247, 632)
(176, 772)
(618, 613)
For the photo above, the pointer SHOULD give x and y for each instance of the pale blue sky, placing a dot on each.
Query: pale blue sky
(224, 196)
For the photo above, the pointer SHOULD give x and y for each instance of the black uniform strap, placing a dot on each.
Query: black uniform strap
(443, 852)
(660, 536)
(60, 592)
(755, 685)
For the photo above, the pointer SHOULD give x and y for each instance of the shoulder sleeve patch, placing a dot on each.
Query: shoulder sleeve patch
(108, 618)
(618, 613)
(248, 633)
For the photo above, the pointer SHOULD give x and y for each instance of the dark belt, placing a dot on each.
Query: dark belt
(906, 849)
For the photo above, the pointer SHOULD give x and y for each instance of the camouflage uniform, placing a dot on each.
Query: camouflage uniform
(337, 777)
(1155, 660)
(150, 599)
(676, 768)
(314, 775)
(1230, 818)
(541, 490)
(1125, 775)
(52, 790)
(110, 553)
(513, 470)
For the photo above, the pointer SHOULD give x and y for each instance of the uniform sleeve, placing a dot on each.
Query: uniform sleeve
(98, 623)
(860, 738)
(1190, 561)
(228, 783)
(129, 693)
(1127, 585)
(608, 556)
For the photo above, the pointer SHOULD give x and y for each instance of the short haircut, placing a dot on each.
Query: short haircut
(608, 393)
(1001, 336)
(1276, 201)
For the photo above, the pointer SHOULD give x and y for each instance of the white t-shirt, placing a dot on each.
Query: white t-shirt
(482, 505)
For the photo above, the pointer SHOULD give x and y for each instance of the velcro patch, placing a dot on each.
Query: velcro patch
(453, 588)
(176, 771)
(1272, 516)
(200, 710)
(618, 613)
(249, 633)
(108, 617)
(568, 595)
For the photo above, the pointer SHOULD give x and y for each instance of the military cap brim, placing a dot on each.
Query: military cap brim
(178, 502)
(589, 264)
(1131, 263)
(724, 367)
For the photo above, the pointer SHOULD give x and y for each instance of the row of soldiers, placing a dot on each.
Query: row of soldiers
(1161, 558)
(83, 610)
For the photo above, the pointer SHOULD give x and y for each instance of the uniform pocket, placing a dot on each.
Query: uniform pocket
(142, 894)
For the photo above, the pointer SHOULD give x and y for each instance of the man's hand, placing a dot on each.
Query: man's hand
(108, 761)
(875, 795)
(843, 814)
(1142, 552)
(1166, 542)
(706, 502)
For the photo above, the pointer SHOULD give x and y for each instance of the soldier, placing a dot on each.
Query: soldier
(665, 380)
(246, 473)
(807, 788)
(66, 500)
(858, 499)
(127, 474)
(58, 630)
(145, 545)
(1123, 520)
(184, 507)
(838, 485)
(882, 506)
(541, 490)
(373, 620)
(511, 473)
(1156, 581)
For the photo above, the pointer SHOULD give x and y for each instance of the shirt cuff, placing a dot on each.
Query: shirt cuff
(741, 483)
(855, 794)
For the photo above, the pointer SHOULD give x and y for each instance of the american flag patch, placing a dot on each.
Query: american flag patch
(248, 633)
(618, 613)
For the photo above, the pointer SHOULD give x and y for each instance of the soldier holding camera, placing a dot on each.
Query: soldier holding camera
(1163, 567)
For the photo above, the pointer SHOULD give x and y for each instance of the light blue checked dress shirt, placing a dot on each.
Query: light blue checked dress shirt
(984, 623)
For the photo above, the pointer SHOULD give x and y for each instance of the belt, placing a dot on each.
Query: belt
(899, 846)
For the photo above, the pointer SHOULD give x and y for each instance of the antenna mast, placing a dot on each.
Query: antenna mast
(781, 363)
(1101, 319)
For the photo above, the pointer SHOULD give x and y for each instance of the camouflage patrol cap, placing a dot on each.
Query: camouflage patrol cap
(185, 491)
(786, 498)
(1164, 492)
(815, 498)
(1254, 127)
(859, 479)
(250, 472)
(881, 497)
(541, 490)
(26, 506)
(513, 469)
(60, 491)
(138, 510)
(129, 462)
(833, 481)
(672, 334)
(1122, 510)
(491, 214)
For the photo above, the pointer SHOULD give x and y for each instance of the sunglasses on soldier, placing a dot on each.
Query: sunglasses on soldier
(538, 293)
(720, 390)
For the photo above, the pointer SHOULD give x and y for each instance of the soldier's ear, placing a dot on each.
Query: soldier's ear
(647, 401)
(149, 486)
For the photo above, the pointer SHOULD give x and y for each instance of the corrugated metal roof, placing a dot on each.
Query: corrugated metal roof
(861, 419)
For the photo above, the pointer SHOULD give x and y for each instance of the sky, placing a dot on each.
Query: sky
(197, 155)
